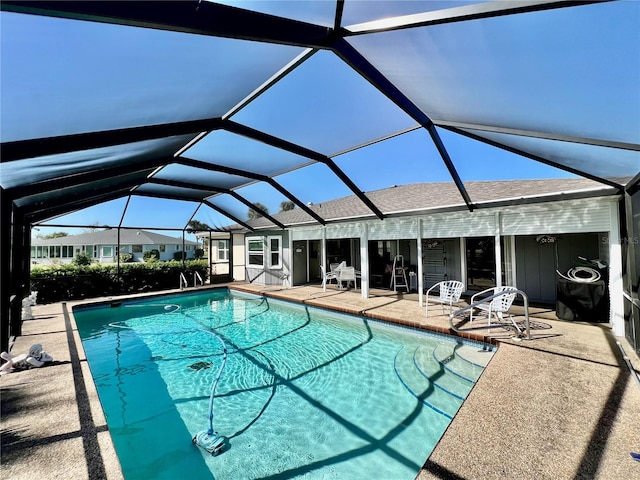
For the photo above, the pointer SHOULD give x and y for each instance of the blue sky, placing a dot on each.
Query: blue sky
(579, 78)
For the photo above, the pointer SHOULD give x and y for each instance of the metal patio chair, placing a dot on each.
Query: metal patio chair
(449, 293)
(327, 277)
(498, 306)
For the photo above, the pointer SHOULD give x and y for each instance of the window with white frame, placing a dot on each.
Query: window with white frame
(136, 248)
(162, 248)
(275, 251)
(255, 252)
(107, 251)
(223, 250)
(264, 252)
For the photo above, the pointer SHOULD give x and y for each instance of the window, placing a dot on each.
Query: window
(107, 251)
(67, 251)
(255, 251)
(136, 248)
(223, 250)
(275, 252)
(162, 248)
(56, 251)
(256, 247)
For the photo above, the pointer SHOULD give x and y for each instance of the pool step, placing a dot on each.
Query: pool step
(426, 363)
(426, 388)
(453, 358)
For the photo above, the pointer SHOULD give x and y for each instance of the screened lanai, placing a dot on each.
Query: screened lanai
(155, 114)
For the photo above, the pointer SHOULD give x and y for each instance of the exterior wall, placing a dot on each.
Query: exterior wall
(266, 274)
(218, 266)
(536, 263)
(591, 220)
(239, 260)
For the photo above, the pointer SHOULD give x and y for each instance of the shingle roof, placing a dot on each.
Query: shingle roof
(422, 197)
(110, 237)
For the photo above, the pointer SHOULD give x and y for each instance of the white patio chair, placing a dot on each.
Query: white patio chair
(498, 306)
(347, 275)
(450, 292)
(334, 267)
(327, 277)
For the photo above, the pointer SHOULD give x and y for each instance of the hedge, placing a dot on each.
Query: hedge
(73, 282)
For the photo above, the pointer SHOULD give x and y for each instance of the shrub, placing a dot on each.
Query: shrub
(71, 282)
(82, 259)
(126, 257)
(151, 255)
(179, 256)
(199, 253)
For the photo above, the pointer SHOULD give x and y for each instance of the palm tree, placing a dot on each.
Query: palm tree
(254, 214)
(197, 226)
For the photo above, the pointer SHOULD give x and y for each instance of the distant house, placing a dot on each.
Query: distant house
(103, 246)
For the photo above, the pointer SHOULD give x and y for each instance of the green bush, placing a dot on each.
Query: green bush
(82, 259)
(151, 255)
(71, 282)
(199, 253)
(179, 256)
(126, 257)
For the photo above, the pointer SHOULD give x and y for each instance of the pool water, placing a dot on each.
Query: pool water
(305, 393)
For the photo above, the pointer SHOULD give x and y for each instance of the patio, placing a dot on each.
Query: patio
(561, 405)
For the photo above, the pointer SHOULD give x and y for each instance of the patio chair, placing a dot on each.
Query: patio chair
(450, 292)
(347, 275)
(334, 267)
(327, 277)
(498, 306)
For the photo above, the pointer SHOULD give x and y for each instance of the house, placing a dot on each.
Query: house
(520, 233)
(103, 246)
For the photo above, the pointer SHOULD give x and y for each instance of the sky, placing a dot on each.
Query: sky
(575, 81)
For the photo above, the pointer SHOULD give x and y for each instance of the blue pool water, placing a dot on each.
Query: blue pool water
(305, 393)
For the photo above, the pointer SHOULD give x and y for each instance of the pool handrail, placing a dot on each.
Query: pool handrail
(491, 297)
(196, 275)
(183, 281)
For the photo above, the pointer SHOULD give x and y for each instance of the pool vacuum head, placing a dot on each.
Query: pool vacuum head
(210, 441)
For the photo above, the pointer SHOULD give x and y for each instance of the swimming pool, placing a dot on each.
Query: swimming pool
(305, 393)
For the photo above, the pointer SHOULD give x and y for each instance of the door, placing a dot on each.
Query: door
(300, 262)
(481, 263)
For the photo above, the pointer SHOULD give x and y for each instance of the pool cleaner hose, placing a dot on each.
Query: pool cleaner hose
(209, 439)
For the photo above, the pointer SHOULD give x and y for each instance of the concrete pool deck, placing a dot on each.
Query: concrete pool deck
(561, 405)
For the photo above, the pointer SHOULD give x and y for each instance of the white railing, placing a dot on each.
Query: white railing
(183, 282)
(196, 277)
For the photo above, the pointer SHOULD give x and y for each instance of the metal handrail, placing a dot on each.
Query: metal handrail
(197, 275)
(183, 279)
(491, 297)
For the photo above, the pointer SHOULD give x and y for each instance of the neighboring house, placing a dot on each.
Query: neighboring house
(519, 233)
(102, 246)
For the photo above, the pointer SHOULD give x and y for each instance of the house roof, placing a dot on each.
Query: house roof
(110, 237)
(432, 197)
(211, 99)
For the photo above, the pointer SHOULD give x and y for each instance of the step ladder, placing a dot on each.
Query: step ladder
(399, 275)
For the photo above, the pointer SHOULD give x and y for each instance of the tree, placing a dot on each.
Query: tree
(53, 235)
(287, 205)
(254, 214)
(197, 226)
